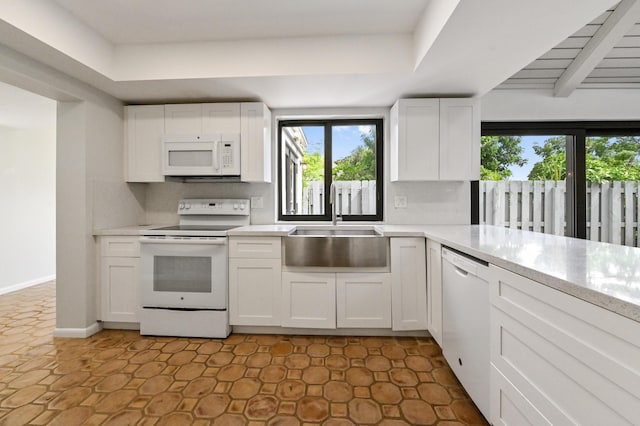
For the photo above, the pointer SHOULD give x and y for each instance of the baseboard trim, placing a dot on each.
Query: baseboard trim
(78, 333)
(26, 284)
(364, 332)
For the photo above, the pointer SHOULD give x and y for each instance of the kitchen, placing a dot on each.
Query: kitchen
(95, 197)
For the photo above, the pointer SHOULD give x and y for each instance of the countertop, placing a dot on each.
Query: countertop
(603, 274)
(132, 230)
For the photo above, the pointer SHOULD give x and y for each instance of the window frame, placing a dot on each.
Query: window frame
(577, 133)
(328, 124)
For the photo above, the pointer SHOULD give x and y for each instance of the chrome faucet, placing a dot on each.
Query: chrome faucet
(332, 201)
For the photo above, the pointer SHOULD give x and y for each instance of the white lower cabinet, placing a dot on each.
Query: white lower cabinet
(254, 291)
(363, 300)
(309, 299)
(119, 276)
(336, 300)
(434, 290)
(558, 360)
(255, 276)
(409, 284)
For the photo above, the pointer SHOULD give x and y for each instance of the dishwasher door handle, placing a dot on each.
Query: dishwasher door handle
(462, 265)
(460, 271)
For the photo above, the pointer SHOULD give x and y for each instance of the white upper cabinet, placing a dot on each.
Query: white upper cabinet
(146, 124)
(183, 119)
(255, 142)
(415, 136)
(221, 118)
(435, 139)
(459, 139)
(144, 128)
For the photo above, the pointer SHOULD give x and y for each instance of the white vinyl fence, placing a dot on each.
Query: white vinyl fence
(612, 208)
(352, 197)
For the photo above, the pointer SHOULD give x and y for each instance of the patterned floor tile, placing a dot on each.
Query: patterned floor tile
(118, 377)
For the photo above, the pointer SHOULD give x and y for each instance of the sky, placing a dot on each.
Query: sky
(527, 142)
(521, 172)
(345, 139)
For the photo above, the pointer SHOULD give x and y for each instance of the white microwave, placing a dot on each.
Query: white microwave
(201, 155)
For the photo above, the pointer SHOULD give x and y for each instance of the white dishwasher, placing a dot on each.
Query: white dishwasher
(465, 323)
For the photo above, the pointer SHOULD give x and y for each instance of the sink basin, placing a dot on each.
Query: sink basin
(336, 232)
(336, 248)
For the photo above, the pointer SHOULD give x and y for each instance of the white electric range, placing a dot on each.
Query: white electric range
(183, 270)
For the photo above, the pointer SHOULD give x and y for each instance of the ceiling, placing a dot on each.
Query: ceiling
(605, 53)
(319, 53)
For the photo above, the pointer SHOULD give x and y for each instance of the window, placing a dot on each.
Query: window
(579, 179)
(318, 153)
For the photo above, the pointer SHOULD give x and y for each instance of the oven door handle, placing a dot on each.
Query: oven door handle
(216, 241)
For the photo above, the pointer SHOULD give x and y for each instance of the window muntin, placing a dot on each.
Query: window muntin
(313, 154)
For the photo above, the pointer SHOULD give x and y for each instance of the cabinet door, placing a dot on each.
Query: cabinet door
(254, 291)
(255, 142)
(221, 118)
(459, 139)
(143, 139)
(308, 300)
(363, 300)
(183, 119)
(434, 290)
(119, 289)
(415, 135)
(408, 284)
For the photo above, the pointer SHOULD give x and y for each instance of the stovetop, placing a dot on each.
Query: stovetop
(208, 217)
(191, 230)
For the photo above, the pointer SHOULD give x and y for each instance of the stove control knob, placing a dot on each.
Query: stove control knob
(235, 207)
(242, 206)
(181, 206)
(187, 206)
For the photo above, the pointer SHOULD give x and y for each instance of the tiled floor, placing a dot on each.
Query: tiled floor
(122, 378)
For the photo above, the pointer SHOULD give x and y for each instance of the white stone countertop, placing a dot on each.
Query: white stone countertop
(278, 230)
(605, 275)
(125, 230)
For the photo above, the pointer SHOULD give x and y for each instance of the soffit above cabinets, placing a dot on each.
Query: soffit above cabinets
(290, 53)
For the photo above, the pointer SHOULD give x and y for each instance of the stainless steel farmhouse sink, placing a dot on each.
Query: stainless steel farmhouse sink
(336, 248)
(328, 232)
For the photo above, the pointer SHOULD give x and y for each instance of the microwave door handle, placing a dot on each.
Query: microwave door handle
(216, 163)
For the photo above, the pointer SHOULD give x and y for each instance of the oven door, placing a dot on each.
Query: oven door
(183, 272)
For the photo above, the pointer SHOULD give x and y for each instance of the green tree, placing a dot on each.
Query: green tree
(497, 154)
(360, 164)
(613, 159)
(553, 165)
(607, 159)
(313, 169)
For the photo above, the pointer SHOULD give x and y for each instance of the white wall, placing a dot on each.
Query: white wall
(90, 192)
(28, 213)
(91, 195)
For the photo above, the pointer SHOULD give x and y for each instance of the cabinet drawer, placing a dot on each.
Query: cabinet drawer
(120, 246)
(575, 362)
(255, 247)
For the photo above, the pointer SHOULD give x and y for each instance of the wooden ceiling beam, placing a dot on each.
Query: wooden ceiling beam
(626, 14)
